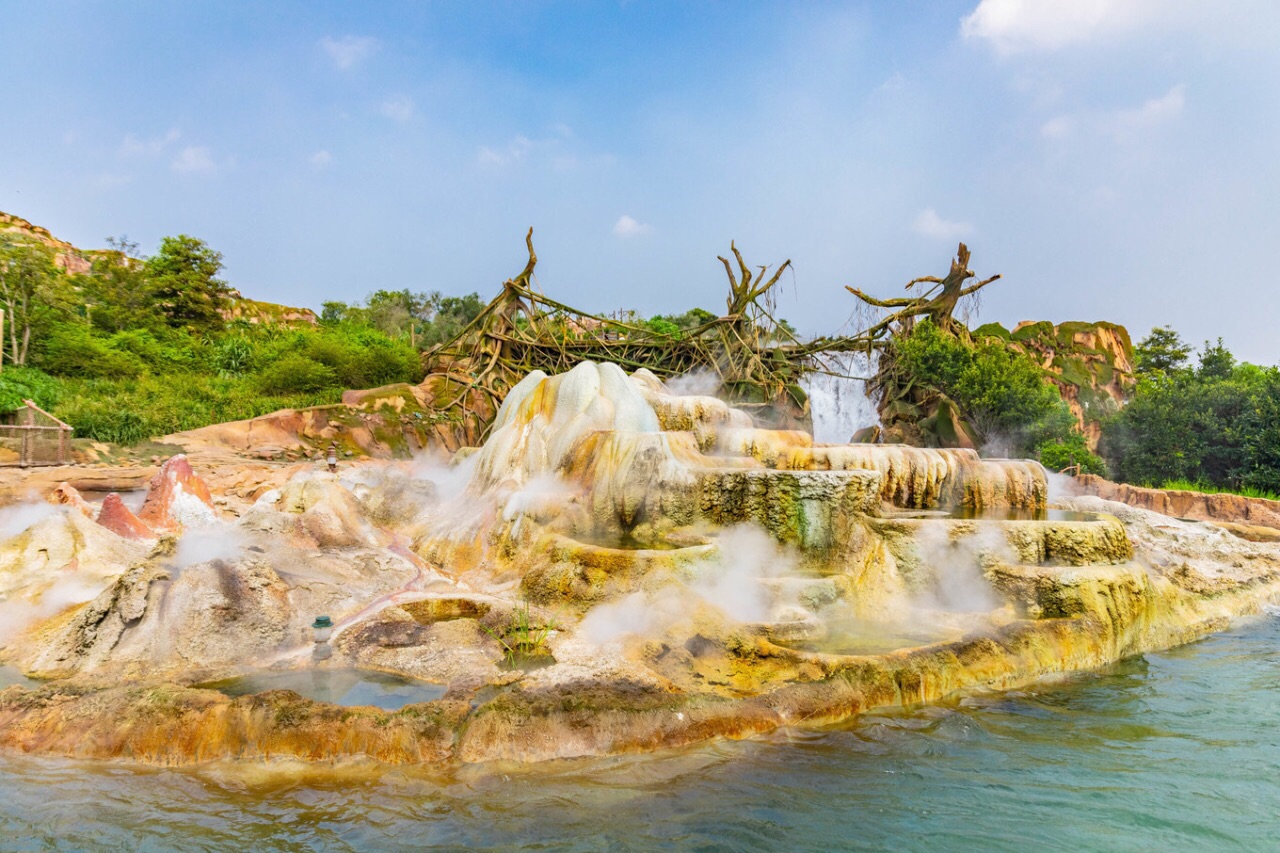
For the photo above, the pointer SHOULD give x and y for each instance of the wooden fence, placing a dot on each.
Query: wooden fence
(31, 436)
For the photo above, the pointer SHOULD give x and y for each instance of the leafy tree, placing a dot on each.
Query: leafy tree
(332, 313)
(1214, 425)
(1162, 351)
(448, 316)
(117, 294)
(1216, 361)
(999, 392)
(183, 277)
(398, 312)
(32, 289)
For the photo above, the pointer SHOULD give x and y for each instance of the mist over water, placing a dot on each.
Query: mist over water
(1168, 751)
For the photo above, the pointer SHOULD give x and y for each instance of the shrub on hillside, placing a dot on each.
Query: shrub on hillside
(73, 350)
(999, 392)
(295, 373)
(26, 383)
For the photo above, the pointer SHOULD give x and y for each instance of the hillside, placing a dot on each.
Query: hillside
(125, 348)
(76, 261)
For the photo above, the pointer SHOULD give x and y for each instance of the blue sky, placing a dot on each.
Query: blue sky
(1114, 159)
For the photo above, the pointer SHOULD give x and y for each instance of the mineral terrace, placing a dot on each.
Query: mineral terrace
(617, 569)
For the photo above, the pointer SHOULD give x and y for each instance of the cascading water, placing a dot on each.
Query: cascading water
(840, 405)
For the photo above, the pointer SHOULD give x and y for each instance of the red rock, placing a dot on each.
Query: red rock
(119, 519)
(177, 498)
(1231, 509)
(67, 495)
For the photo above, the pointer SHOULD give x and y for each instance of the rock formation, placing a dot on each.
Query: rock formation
(177, 498)
(119, 519)
(617, 568)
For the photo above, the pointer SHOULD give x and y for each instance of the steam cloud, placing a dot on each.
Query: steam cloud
(730, 582)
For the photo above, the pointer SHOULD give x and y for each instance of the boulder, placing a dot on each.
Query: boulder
(177, 498)
(67, 495)
(119, 519)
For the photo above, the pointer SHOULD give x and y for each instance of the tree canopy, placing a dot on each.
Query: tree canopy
(183, 280)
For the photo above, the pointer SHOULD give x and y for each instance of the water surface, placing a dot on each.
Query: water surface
(1174, 751)
(339, 686)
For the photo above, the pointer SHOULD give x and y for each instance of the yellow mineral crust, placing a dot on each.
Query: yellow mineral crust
(619, 568)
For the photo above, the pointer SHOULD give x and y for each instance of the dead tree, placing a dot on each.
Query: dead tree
(938, 302)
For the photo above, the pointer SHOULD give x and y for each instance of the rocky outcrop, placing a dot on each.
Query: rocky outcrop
(120, 520)
(1231, 509)
(177, 498)
(1092, 365)
(67, 495)
(385, 423)
(18, 485)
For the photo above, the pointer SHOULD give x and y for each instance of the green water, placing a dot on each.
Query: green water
(1175, 751)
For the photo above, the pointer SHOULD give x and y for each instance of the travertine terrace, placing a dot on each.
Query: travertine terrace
(686, 575)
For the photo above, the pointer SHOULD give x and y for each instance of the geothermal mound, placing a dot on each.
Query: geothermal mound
(617, 568)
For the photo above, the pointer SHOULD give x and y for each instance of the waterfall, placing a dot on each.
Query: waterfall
(840, 407)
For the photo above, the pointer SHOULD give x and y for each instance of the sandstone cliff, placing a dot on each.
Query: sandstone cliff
(1092, 364)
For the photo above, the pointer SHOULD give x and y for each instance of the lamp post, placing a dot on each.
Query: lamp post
(322, 630)
(332, 457)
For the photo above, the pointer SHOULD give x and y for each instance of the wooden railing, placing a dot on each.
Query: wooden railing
(36, 438)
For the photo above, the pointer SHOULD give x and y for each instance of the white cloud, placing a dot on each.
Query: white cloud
(1123, 124)
(930, 224)
(892, 83)
(194, 159)
(349, 51)
(320, 159)
(134, 146)
(513, 152)
(627, 226)
(397, 108)
(1155, 111)
(1058, 127)
(1013, 26)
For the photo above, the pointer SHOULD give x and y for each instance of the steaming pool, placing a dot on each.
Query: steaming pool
(347, 687)
(965, 513)
(1167, 751)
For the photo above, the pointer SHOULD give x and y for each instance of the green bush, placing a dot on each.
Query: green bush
(296, 373)
(1218, 425)
(160, 351)
(999, 392)
(25, 383)
(73, 350)
(233, 356)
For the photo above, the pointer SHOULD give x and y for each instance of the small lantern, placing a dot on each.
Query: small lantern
(322, 628)
(333, 457)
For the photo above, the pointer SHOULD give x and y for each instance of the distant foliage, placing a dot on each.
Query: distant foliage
(139, 347)
(1217, 423)
(1162, 351)
(1000, 393)
(422, 319)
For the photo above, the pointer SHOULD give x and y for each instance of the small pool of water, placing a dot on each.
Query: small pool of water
(1022, 514)
(11, 675)
(628, 543)
(338, 686)
(856, 637)
(1009, 514)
